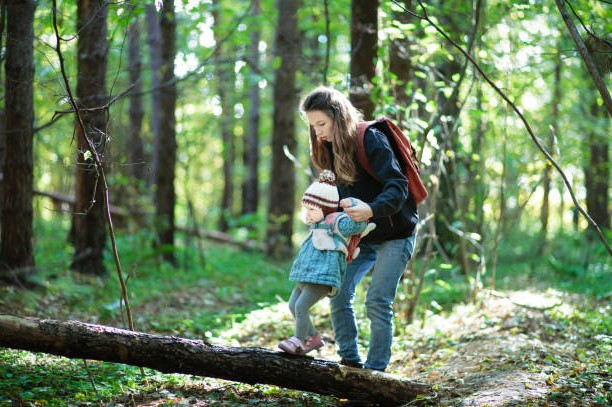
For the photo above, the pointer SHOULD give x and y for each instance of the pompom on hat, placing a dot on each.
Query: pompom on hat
(322, 193)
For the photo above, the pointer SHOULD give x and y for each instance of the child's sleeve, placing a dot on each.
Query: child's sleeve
(348, 227)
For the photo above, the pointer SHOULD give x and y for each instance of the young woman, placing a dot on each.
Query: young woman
(386, 250)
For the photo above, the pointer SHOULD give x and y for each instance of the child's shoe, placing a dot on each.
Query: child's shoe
(293, 345)
(314, 342)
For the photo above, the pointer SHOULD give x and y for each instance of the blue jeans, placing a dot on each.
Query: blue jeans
(388, 260)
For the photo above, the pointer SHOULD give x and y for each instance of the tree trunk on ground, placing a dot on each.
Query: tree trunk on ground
(16, 250)
(169, 354)
(165, 195)
(89, 220)
(364, 39)
(281, 204)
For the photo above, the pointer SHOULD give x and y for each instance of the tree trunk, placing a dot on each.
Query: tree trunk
(154, 41)
(89, 230)
(400, 62)
(165, 196)
(281, 203)
(16, 250)
(250, 187)
(597, 172)
(136, 151)
(2, 112)
(170, 354)
(364, 39)
(554, 117)
(225, 82)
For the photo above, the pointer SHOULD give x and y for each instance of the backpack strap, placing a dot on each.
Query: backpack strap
(403, 150)
(362, 157)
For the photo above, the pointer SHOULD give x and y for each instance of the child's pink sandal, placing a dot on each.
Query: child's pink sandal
(293, 345)
(314, 342)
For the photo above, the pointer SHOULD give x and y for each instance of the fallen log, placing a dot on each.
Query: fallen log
(124, 213)
(170, 354)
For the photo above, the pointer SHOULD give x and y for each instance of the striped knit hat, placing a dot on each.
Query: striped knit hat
(322, 193)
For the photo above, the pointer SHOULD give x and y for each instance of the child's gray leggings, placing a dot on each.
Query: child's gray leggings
(303, 297)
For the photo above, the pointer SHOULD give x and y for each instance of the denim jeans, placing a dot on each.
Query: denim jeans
(387, 260)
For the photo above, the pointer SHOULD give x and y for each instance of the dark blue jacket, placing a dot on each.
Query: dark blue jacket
(395, 212)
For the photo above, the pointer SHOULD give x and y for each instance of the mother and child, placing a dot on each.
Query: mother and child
(347, 201)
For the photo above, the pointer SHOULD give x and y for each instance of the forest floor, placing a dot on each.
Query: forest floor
(506, 349)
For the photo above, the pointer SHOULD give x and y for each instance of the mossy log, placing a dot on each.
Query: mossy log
(170, 354)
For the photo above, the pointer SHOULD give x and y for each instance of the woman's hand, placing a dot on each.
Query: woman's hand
(356, 209)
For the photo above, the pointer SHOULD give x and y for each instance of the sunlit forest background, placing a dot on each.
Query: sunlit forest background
(154, 156)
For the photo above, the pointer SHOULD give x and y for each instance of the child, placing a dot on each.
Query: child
(321, 261)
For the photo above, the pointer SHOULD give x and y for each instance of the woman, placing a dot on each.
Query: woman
(386, 250)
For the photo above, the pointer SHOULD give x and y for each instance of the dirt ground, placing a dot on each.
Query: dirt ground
(508, 349)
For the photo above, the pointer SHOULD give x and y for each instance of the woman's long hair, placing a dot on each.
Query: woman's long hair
(345, 118)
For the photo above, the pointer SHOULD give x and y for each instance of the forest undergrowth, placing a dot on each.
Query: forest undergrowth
(528, 344)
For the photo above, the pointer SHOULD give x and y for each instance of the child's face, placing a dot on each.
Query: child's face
(313, 215)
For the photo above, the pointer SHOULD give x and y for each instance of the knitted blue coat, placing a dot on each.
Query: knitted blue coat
(325, 266)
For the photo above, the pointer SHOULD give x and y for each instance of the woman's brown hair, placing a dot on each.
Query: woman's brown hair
(345, 117)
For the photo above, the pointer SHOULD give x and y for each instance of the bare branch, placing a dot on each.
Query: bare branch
(98, 166)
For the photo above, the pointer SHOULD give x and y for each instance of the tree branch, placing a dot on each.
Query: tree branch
(586, 57)
(98, 165)
(518, 112)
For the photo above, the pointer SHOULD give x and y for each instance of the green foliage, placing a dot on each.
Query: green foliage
(573, 263)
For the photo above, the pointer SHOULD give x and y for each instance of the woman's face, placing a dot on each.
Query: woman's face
(322, 124)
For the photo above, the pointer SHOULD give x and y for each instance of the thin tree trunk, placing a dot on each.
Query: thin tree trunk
(281, 202)
(364, 40)
(89, 230)
(155, 61)
(168, 354)
(2, 111)
(400, 62)
(554, 116)
(597, 171)
(225, 83)
(250, 187)
(165, 196)
(16, 249)
(136, 151)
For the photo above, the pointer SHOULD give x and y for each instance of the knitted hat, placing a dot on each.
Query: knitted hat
(322, 193)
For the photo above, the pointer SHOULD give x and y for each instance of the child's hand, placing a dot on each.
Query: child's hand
(348, 202)
(356, 209)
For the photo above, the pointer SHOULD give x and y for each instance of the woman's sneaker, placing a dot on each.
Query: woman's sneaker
(351, 363)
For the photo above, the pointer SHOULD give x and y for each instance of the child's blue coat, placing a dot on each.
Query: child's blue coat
(325, 266)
